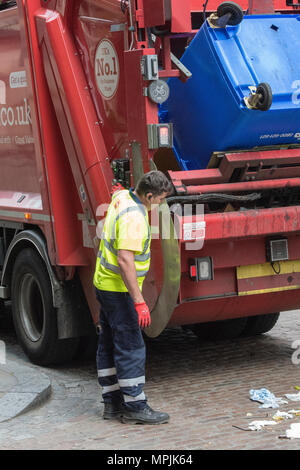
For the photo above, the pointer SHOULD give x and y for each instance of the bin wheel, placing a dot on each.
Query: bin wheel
(34, 316)
(234, 10)
(265, 101)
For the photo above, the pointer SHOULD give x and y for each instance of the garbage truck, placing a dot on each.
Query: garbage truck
(99, 92)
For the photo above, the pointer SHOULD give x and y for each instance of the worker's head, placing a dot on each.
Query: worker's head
(153, 188)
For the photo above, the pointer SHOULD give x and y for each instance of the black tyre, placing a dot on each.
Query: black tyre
(227, 329)
(232, 8)
(34, 317)
(265, 102)
(6, 322)
(260, 324)
(2, 313)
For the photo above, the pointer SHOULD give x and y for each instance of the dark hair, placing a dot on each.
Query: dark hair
(154, 182)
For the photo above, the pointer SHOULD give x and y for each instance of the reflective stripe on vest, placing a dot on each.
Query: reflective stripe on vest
(143, 257)
(116, 269)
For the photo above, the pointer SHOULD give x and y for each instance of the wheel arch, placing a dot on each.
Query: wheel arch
(28, 239)
(72, 322)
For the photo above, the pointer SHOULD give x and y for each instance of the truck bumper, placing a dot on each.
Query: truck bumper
(244, 282)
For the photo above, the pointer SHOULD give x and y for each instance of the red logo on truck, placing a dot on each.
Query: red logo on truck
(107, 70)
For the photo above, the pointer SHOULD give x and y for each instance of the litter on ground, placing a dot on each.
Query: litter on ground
(267, 398)
(294, 431)
(281, 415)
(295, 412)
(258, 425)
(293, 396)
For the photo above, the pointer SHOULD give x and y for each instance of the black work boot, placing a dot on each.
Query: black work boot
(112, 410)
(144, 416)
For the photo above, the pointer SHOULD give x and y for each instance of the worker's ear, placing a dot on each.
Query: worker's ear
(149, 196)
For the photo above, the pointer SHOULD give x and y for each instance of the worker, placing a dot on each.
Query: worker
(122, 264)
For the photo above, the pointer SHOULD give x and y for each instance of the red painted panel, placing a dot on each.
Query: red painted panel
(244, 186)
(235, 307)
(212, 5)
(181, 16)
(226, 256)
(252, 223)
(261, 7)
(238, 252)
(64, 201)
(224, 283)
(18, 143)
(92, 26)
(154, 13)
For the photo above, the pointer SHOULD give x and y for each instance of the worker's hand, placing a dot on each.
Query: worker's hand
(143, 314)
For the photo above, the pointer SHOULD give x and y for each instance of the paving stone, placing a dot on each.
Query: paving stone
(23, 388)
(7, 382)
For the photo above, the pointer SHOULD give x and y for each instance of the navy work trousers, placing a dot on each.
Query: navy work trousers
(121, 351)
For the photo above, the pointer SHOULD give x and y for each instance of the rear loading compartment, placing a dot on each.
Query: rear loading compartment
(250, 215)
(212, 111)
(238, 157)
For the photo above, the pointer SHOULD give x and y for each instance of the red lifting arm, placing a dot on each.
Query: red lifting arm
(261, 7)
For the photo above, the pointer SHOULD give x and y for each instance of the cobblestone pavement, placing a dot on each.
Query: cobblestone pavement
(204, 386)
(7, 381)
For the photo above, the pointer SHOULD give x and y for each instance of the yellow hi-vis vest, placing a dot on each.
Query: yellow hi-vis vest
(126, 227)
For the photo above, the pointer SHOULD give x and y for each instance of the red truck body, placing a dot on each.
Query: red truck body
(72, 108)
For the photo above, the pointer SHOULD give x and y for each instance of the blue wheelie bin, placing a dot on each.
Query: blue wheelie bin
(212, 111)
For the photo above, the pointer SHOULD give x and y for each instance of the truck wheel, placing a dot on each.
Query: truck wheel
(226, 329)
(34, 316)
(260, 324)
(232, 8)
